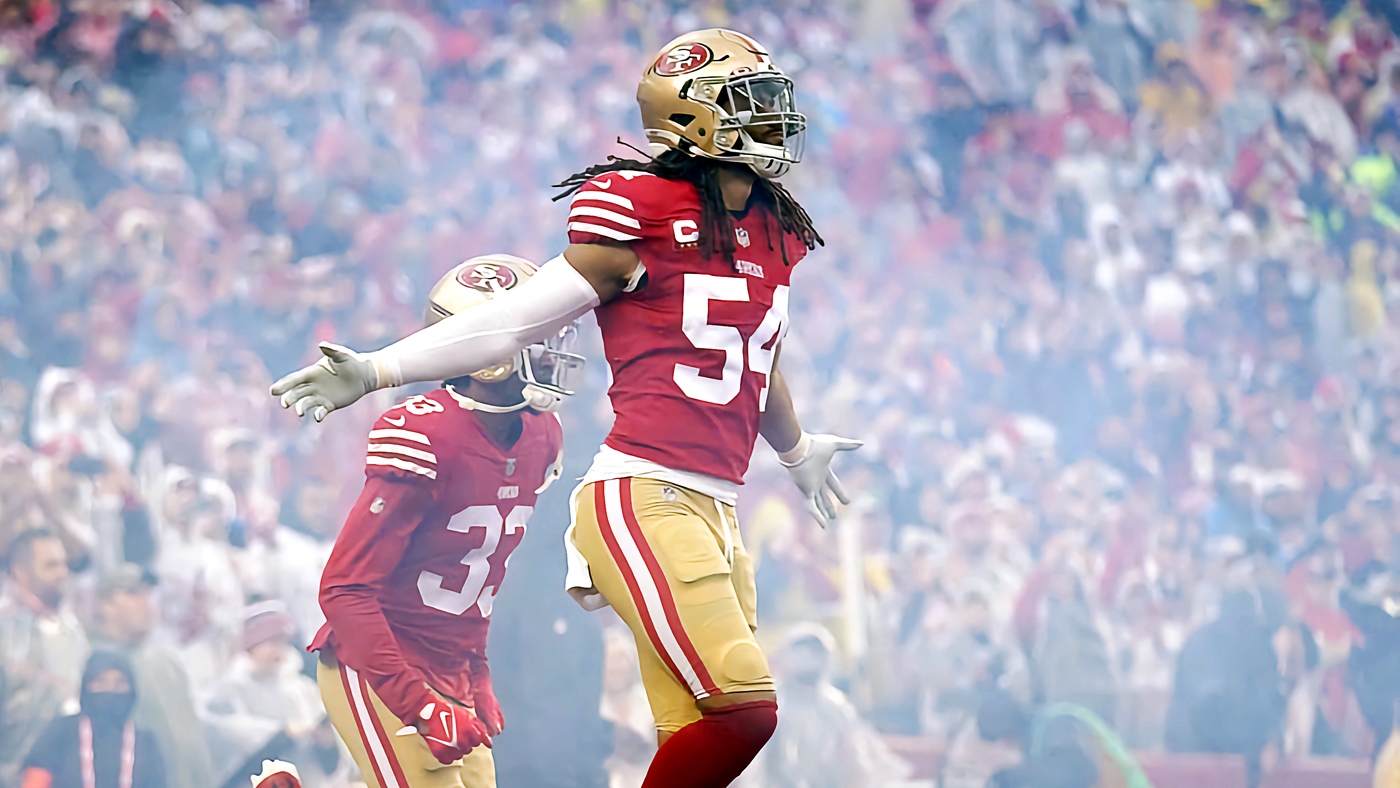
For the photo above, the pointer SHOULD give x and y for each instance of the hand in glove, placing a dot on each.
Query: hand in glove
(809, 463)
(450, 729)
(488, 709)
(339, 379)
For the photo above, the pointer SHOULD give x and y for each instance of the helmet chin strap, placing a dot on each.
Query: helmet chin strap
(468, 403)
(534, 397)
(768, 167)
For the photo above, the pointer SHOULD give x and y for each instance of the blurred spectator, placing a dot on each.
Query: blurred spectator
(1323, 710)
(1373, 667)
(43, 645)
(990, 742)
(1146, 640)
(1175, 103)
(957, 667)
(1069, 747)
(1071, 655)
(126, 619)
(101, 745)
(820, 741)
(284, 557)
(1226, 696)
(956, 118)
(23, 505)
(265, 707)
(993, 45)
(199, 595)
(1110, 290)
(624, 704)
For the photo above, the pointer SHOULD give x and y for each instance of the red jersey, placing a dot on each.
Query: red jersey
(692, 347)
(409, 586)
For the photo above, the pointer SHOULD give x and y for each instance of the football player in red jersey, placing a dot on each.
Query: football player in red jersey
(451, 479)
(686, 259)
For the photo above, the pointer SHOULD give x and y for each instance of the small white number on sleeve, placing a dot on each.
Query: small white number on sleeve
(418, 405)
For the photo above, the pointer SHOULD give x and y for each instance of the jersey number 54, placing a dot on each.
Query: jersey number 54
(700, 290)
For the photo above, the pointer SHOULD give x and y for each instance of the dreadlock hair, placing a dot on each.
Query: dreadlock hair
(716, 223)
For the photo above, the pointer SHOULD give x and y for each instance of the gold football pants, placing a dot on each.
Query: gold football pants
(387, 760)
(671, 563)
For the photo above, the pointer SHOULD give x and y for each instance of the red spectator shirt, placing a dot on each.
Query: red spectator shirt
(409, 586)
(692, 347)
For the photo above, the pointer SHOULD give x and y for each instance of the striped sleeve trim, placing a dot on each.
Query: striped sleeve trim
(408, 435)
(606, 232)
(406, 451)
(592, 196)
(606, 215)
(394, 462)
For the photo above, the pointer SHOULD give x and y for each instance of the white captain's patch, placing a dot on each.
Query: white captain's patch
(746, 267)
(376, 506)
(508, 492)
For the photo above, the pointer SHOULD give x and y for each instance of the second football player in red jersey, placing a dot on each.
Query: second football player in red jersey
(687, 258)
(451, 480)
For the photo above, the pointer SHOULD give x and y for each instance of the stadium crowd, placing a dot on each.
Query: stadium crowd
(1111, 290)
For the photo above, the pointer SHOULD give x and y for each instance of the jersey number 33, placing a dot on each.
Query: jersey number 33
(486, 564)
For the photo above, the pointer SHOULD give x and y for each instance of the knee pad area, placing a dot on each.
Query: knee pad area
(745, 667)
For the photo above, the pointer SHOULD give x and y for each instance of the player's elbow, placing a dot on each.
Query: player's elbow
(340, 600)
(607, 267)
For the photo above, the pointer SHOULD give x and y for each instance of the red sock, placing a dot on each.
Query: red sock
(711, 753)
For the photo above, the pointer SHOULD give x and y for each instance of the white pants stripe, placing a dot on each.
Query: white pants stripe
(649, 598)
(379, 749)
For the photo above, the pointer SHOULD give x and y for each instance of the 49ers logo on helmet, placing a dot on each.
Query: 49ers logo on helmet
(684, 59)
(487, 277)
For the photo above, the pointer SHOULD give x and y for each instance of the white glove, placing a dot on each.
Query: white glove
(338, 380)
(809, 462)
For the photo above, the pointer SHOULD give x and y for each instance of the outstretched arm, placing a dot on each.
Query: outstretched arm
(779, 425)
(564, 289)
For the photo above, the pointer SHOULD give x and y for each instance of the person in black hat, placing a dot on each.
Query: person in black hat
(101, 746)
(165, 698)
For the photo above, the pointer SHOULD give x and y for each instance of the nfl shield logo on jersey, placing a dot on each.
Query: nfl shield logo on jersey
(742, 236)
(510, 466)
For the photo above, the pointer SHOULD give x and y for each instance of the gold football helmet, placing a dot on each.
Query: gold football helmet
(718, 94)
(548, 368)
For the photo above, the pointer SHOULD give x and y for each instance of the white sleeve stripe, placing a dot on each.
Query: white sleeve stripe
(606, 215)
(408, 435)
(615, 199)
(606, 232)
(402, 464)
(394, 448)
